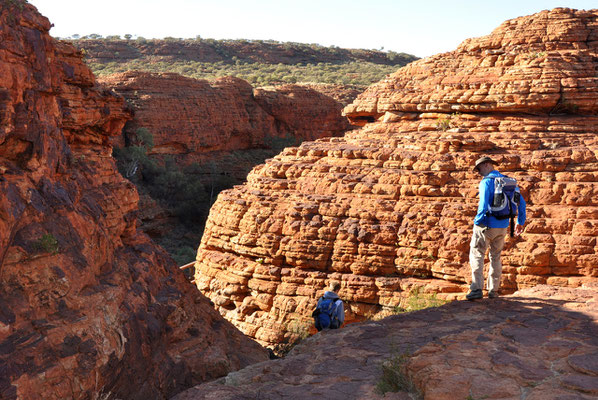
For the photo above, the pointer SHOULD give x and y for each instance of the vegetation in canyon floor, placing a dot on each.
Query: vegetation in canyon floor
(187, 192)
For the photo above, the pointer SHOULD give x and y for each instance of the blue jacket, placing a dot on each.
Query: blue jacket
(340, 310)
(486, 193)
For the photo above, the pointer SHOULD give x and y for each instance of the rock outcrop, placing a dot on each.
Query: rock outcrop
(89, 306)
(389, 207)
(538, 344)
(195, 120)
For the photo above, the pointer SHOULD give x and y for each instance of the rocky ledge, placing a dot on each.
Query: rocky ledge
(537, 344)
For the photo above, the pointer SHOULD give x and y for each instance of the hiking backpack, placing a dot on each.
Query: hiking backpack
(505, 202)
(325, 314)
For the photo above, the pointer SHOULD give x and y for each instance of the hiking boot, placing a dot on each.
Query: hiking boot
(474, 294)
(492, 294)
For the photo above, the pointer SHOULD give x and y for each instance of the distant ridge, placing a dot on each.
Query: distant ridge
(211, 50)
(258, 62)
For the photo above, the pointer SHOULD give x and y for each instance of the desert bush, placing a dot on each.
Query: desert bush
(419, 301)
(297, 331)
(46, 244)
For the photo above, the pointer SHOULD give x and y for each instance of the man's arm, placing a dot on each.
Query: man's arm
(340, 313)
(485, 193)
(521, 216)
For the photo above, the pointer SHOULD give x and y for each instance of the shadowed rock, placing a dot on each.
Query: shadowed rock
(89, 306)
(458, 351)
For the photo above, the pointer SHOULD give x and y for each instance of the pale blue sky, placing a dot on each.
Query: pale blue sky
(419, 27)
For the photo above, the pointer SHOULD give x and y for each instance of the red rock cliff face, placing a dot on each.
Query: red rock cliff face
(89, 307)
(195, 120)
(390, 206)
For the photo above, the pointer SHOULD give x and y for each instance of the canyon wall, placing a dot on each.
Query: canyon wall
(89, 306)
(389, 207)
(213, 133)
(196, 120)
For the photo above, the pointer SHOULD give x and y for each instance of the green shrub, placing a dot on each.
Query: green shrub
(419, 301)
(46, 244)
(443, 124)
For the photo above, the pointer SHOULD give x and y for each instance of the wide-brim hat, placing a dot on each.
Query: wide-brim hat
(483, 160)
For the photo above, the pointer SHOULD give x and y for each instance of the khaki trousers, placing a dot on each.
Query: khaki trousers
(481, 239)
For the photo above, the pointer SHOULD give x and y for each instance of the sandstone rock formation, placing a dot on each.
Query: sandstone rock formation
(195, 120)
(538, 344)
(390, 207)
(344, 94)
(89, 306)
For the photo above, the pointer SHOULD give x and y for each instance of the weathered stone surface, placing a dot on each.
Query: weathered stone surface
(89, 306)
(195, 120)
(542, 63)
(389, 207)
(519, 346)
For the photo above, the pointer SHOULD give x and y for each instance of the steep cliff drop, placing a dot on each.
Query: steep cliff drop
(89, 306)
(389, 207)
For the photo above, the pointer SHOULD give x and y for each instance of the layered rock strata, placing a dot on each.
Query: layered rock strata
(390, 207)
(196, 120)
(89, 306)
(539, 344)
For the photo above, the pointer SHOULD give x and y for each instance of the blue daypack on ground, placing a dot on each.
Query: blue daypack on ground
(325, 314)
(505, 202)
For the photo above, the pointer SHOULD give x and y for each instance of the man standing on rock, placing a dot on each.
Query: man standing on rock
(491, 224)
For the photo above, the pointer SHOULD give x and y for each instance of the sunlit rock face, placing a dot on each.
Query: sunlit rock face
(390, 206)
(197, 120)
(89, 306)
